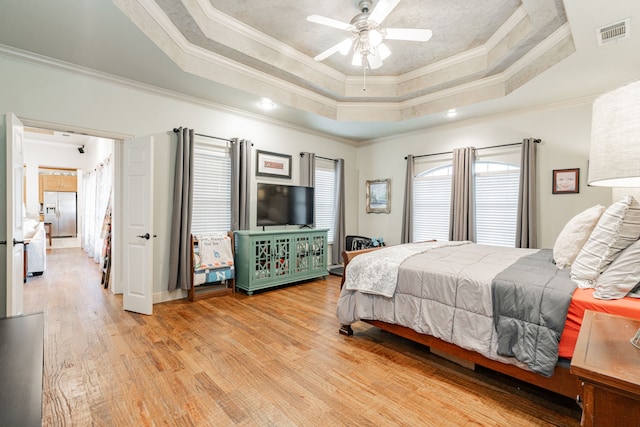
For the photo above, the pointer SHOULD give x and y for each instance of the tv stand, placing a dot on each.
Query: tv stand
(265, 259)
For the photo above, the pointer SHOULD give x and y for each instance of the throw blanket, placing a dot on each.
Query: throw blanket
(530, 303)
(377, 272)
(213, 258)
(214, 251)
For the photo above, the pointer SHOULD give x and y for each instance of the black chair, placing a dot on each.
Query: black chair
(355, 243)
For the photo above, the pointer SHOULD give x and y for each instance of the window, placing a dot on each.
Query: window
(211, 187)
(325, 190)
(431, 204)
(496, 203)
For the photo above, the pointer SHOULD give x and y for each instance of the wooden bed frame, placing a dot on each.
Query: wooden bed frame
(561, 382)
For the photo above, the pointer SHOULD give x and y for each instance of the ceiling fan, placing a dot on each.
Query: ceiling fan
(367, 34)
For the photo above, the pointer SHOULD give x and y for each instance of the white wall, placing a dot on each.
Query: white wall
(39, 93)
(50, 95)
(565, 133)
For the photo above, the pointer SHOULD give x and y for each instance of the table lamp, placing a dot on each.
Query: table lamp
(614, 157)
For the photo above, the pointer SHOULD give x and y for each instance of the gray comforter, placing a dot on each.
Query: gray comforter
(444, 292)
(530, 303)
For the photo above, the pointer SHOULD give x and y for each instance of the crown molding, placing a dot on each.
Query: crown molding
(36, 59)
(456, 123)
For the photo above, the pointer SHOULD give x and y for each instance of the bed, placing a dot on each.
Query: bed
(511, 310)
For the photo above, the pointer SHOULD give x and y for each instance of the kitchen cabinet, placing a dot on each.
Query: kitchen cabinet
(57, 183)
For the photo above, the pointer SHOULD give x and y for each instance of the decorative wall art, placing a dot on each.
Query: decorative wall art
(566, 181)
(379, 196)
(273, 164)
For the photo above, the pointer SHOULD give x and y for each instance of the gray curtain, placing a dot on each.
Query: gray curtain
(339, 227)
(180, 248)
(240, 183)
(462, 223)
(308, 169)
(407, 214)
(527, 222)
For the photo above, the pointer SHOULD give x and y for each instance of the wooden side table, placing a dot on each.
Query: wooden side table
(609, 367)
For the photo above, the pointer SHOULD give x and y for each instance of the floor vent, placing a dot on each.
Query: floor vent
(614, 32)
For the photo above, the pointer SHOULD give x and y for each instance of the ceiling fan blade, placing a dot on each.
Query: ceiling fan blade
(333, 49)
(345, 45)
(411, 34)
(330, 22)
(382, 10)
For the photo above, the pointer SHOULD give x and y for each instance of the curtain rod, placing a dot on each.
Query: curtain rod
(176, 130)
(537, 141)
(320, 157)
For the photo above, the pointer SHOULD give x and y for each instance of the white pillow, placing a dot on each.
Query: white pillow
(617, 228)
(574, 235)
(622, 276)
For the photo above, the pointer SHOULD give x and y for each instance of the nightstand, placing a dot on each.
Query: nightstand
(609, 367)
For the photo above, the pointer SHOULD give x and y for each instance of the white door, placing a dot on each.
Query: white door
(11, 183)
(138, 234)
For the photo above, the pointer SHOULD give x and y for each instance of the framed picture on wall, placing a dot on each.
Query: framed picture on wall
(566, 181)
(273, 164)
(379, 196)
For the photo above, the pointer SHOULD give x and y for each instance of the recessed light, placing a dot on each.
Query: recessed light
(451, 113)
(266, 104)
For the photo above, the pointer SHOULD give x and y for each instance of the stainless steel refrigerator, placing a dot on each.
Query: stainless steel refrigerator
(60, 210)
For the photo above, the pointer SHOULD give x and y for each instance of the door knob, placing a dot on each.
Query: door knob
(145, 236)
(18, 242)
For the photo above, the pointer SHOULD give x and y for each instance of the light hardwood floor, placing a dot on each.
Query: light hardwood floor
(272, 359)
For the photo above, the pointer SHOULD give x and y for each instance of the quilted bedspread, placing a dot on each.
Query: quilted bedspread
(530, 303)
(451, 299)
(377, 272)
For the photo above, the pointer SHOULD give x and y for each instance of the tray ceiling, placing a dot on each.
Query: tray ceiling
(491, 58)
(475, 54)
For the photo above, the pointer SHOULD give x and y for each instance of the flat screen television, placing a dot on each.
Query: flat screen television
(284, 205)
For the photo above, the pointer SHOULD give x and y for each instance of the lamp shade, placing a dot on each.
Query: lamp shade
(614, 158)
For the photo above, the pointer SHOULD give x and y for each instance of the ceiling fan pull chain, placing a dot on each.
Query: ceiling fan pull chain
(364, 79)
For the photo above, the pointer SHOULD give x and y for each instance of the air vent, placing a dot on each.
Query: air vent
(614, 32)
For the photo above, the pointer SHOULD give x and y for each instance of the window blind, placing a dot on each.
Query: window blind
(431, 208)
(497, 207)
(325, 177)
(211, 187)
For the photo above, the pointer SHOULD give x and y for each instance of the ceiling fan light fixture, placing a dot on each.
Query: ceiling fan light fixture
(375, 38)
(374, 61)
(357, 59)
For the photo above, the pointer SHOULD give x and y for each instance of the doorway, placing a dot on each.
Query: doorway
(49, 149)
